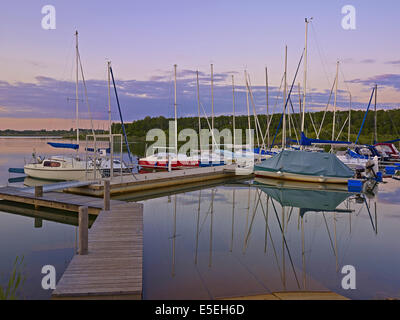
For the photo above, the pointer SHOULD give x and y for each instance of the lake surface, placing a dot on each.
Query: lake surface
(236, 239)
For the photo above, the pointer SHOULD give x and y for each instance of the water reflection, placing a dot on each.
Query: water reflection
(227, 239)
(248, 239)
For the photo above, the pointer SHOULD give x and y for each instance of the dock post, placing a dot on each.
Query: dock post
(38, 222)
(38, 191)
(38, 194)
(106, 195)
(83, 230)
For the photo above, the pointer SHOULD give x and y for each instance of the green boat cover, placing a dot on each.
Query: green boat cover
(307, 163)
(307, 200)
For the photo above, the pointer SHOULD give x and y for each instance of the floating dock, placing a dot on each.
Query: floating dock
(55, 200)
(112, 269)
(156, 180)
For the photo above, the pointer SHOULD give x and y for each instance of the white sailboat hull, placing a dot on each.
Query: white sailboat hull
(300, 177)
(56, 173)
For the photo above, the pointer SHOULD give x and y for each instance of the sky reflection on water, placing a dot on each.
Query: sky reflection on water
(226, 240)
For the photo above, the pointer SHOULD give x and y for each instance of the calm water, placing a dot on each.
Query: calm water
(229, 240)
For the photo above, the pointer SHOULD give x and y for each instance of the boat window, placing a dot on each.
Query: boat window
(52, 164)
(395, 149)
(365, 152)
(384, 148)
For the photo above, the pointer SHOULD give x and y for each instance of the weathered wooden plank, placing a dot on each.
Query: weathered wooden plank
(113, 265)
(114, 262)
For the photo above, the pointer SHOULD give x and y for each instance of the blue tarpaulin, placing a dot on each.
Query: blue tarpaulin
(64, 145)
(306, 163)
(308, 141)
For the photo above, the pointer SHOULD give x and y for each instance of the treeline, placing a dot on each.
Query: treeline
(388, 125)
(61, 133)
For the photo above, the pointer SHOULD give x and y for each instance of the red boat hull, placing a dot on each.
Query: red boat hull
(163, 164)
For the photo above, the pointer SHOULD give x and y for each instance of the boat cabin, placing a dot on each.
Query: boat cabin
(388, 148)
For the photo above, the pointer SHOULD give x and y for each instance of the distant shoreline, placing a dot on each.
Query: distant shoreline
(30, 137)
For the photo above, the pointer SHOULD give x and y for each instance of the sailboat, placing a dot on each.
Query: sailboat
(169, 160)
(319, 167)
(62, 167)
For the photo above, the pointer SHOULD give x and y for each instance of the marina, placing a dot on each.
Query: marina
(230, 214)
(147, 156)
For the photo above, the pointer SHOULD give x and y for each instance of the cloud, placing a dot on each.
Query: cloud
(395, 62)
(192, 74)
(353, 61)
(51, 98)
(368, 61)
(383, 80)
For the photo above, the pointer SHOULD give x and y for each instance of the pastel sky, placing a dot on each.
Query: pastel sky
(144, 39)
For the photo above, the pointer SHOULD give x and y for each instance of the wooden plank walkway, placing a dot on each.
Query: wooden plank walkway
(113, 267)
(56, 200)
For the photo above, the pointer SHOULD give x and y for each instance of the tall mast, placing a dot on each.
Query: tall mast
(334, 105)
(198, 106)
(348, 135)
(198, 99)
(248, 107)
(176, 121)
(266, 93)
(375, 119)
(305, 76)
(76, 89)
(212, 98)
(109, 96)
(234, 127)
(284, 106)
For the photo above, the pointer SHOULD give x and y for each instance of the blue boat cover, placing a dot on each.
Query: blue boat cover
(355, 155)
(64, 145)
(392, 141)
(306, 163)
(304, 141)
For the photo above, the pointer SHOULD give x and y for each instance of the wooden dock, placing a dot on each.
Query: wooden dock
(157, 180)
(113, 267)
(56, 200)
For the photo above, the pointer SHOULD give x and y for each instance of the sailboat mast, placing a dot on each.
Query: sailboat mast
(198, 99)
(248, 107)
(348, 135)
(334, 105)
(267, 100)
(76, 88)
(212, 98)
(305, 76)
(198, 106)
(176, 121)
(234, 126)
(375, 118)
(284, 101)
(109, 96)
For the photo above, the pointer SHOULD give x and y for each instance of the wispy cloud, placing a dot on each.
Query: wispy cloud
(52, 98)
(383, 80)
(368, 61)
(395, 62)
